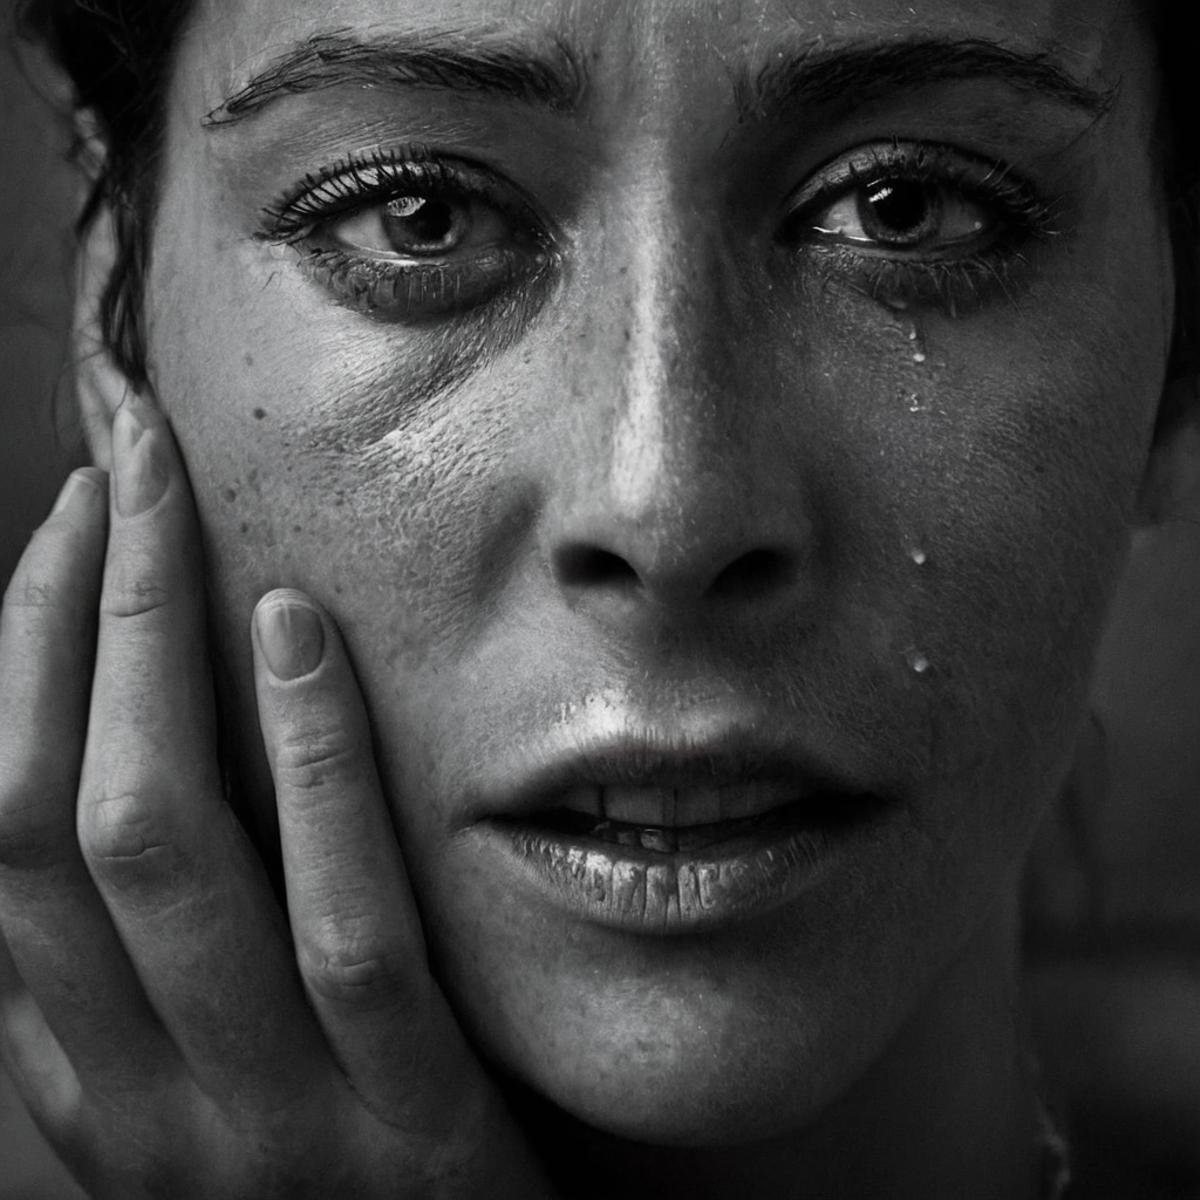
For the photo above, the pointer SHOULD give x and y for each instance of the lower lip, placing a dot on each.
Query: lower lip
(647, 892)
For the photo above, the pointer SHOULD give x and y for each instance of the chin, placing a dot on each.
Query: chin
(678, 1085)
(715, 1040)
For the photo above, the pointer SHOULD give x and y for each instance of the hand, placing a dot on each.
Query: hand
(173, 1032)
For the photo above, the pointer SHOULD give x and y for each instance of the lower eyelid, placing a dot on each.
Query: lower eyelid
(393, 289)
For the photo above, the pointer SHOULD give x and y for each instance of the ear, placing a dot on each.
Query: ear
(100, 386)
(1171, 486)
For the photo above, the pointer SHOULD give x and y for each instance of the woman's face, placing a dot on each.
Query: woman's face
(731, 410)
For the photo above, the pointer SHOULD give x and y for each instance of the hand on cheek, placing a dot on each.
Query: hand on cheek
(167, 1028)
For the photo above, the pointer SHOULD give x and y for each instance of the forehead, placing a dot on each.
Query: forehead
(681, 47)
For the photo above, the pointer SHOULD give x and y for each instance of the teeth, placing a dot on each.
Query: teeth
(640, 806)
(681, 808)
(662, 840)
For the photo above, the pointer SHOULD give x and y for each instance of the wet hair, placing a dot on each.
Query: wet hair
(119, 55)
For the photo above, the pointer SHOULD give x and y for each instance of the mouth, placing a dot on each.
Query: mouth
(673, 820)
(656, 840)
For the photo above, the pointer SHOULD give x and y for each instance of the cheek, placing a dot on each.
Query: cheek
(975, 477)
(328, 454)
(1031, 487)
(337, 456)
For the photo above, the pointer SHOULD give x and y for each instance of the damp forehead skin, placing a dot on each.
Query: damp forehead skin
(681, 394)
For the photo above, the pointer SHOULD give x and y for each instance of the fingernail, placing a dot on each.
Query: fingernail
(83, 489)
(292, 638)
(139, 458)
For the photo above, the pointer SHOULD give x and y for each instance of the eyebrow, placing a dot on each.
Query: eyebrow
(554, 78)
(860, 72)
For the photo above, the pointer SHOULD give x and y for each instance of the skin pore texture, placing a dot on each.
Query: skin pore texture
(690, 466)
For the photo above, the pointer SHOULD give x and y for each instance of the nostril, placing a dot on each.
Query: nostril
(754, 574)
(590, 566)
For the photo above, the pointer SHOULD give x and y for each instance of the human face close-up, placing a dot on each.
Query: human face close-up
(718, 420)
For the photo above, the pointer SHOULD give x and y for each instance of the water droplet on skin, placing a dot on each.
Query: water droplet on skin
(918, 662)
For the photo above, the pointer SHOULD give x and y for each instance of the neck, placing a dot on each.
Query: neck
(949, 1110)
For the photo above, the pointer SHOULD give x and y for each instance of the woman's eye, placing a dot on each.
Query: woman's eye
(416, 227)
(413, 239)
(904, 214)
(919, 221)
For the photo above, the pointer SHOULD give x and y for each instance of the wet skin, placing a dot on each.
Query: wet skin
(683, 463)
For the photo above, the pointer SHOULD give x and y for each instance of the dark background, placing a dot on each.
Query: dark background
(1116, 963)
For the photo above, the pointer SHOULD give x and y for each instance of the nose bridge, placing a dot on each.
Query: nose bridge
(639, 441)
(670, 425)
(666, 496)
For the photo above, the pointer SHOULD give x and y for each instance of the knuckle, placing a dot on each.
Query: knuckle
(127, 838)
(360, 976)
(43, 579)
(35, 589)
(131, 593)
(305, 761)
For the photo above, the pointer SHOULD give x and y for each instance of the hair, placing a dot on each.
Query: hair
(119, 55)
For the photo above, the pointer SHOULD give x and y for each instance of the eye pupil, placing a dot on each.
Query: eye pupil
(418, 224)
(898, 210)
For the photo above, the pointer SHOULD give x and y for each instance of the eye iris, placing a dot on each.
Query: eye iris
(898, 211)
(420, 225)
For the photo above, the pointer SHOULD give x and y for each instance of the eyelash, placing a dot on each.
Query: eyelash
(413, 289)
(951, 281)
(395, 287)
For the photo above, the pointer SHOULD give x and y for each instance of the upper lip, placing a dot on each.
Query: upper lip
(757, 774)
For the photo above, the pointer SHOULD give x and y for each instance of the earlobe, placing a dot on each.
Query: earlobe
(1171, 486)
(100, 385)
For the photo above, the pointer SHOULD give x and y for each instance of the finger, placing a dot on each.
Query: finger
(59, 931)
(33, 1056)
(354, 923)
(180, 880)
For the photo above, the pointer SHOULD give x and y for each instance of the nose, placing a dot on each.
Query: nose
(678, 486)
(681, 525)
